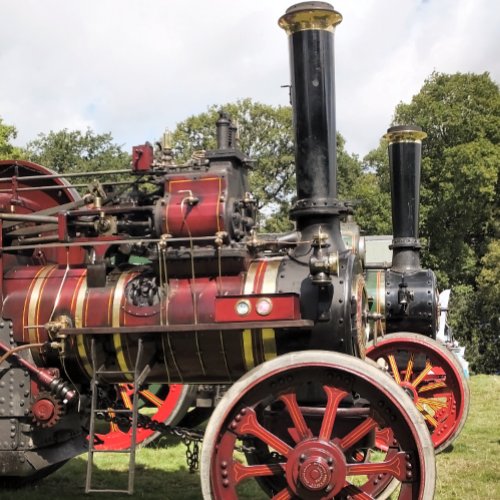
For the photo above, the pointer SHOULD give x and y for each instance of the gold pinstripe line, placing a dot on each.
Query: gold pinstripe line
(27, 302)
(248, 349)
(117, 338)
(34, 307)
(79, 323)
(269, 286)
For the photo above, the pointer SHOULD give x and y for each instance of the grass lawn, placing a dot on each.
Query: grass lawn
(470, 471)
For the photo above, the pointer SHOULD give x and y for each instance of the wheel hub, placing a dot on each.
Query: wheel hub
(410, 390)
(316, 469)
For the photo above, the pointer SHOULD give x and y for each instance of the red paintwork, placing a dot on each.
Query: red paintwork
(284, 306)
(450, 389)
(31, 300)
(204, 218)
(311, 466)
(142, 157)
(116, 439)
(26, 202)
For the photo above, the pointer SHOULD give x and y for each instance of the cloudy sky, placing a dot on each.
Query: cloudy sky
(133, 67)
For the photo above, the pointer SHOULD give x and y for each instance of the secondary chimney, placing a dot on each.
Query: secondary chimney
(405, 155)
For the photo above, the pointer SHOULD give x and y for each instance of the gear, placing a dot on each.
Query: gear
(46, 410)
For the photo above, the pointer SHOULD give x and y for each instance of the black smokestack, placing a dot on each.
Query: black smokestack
(405, 155)
(310, 27)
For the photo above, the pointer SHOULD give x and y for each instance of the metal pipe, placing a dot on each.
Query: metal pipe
(68, 174)
(29, 218)
(405, 155)
(71, 186)
(310, 27)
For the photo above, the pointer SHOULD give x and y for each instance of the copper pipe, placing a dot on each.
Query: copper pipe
(9, 352)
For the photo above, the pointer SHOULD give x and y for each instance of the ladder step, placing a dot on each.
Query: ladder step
(94, 450)
(112, 410)
(114, 372)
(138, 378)
(93, 490)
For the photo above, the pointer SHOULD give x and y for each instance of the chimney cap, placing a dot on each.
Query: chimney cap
(310, 16)
(405, 133)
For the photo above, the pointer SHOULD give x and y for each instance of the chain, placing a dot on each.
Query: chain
(189, 437)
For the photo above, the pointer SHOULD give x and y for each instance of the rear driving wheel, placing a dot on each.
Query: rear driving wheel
(162, 403)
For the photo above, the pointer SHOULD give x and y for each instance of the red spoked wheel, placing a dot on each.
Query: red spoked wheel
(163, 403)
(432, 377)
(308, 419)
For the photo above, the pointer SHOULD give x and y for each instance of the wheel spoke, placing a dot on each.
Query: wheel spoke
(394, 368)
(152, 398)
(114, 427)
(409, 367)
(432, 386)
(434, 403)
(125, 397)
(423, 373)
(351, 491)
(284, 494)
(335, 396)
(357, 433)
(426, 415)
(250, 425)
(384, 438)
(395, 467)
(242, 472)
(298, 420)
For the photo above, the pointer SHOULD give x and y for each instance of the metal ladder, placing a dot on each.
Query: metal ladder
(97, 374)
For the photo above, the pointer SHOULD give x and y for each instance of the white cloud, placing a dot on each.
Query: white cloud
(133, 68)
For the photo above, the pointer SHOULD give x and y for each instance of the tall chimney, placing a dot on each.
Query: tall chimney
(405, 154)
(310, 26)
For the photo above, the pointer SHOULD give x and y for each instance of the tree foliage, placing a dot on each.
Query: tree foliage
(461, 115)
(76, 151)
(266, 136)
(459, 201)
(7, 134)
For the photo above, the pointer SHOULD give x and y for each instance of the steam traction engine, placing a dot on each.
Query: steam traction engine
(106, 295)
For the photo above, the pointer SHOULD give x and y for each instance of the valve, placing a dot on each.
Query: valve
(322, 265)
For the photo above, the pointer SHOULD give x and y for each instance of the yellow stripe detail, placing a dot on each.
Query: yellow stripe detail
(269, 343)
(117, 338)
(34, 308)
(247, 349)
(80, 339)
(269, 286)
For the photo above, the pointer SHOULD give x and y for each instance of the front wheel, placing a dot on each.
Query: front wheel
(431, 375)
(309, 421)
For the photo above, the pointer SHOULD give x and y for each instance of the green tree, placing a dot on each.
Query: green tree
(7, 134)
(461, 115)
(266, 136)
(459, 201)
(76, 151)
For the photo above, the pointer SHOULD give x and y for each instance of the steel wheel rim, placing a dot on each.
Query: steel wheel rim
(445, 382)
(237, 416)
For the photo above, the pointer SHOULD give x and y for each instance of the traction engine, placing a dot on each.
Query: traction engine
(156, 287)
